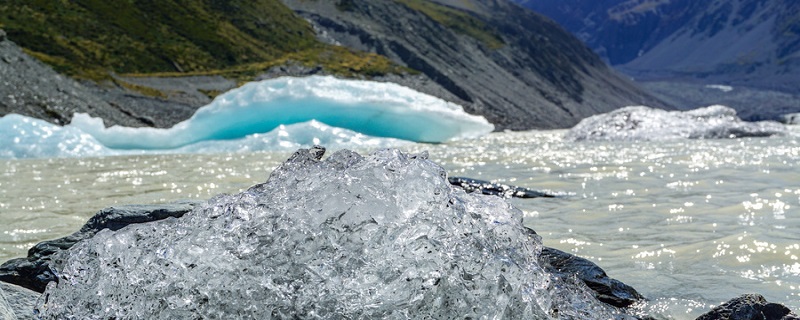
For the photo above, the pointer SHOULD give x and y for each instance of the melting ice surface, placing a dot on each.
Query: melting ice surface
(375, 237)
(644, 123)
(277, 114)
(372, 108)
(24, 137)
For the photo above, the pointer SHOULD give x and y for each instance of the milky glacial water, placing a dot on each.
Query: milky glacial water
(689, 223)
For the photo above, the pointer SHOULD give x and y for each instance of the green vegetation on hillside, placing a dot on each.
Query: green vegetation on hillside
(460, 21)
(90, 38)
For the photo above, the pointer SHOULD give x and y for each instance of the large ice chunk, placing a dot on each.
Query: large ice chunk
(368, 107)
(25, 137)
(644, 123)
(6, 312)
(381, 236)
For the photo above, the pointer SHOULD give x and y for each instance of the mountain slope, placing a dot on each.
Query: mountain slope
(512, 66)
(89, 38)
(516, 68)
(741, 42)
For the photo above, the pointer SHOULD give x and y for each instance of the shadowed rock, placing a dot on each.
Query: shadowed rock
(496, 189)
(606, 289)
(749, 307)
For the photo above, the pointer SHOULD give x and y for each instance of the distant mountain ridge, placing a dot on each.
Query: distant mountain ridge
(742, 42)
(512, 66)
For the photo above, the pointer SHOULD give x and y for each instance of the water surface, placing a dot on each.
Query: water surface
(689, 224)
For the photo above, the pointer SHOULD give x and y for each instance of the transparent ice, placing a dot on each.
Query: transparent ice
(6, 312)
(377, 236)
(644, 123)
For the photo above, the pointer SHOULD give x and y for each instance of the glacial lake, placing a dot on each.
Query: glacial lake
(688, 223)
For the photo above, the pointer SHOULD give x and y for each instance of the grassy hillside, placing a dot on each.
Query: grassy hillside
(457, 20)
(90, 38)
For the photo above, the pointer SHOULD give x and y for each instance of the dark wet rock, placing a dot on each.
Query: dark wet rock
(496, 189)
(21, 301)
(2, 35)
(749, 307)
(34, 272)
(606, 289)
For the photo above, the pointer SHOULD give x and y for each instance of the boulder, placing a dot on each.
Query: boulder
(606, 289)
(496, 189)
(749, 307)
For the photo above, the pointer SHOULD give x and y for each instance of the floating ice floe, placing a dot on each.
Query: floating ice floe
(383, 236)
(644, 123)
(371, 108)
(24, 137)
(278, 114)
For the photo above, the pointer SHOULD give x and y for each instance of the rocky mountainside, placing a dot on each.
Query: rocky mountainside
(512, 66)
(31, 88)
(739, 42)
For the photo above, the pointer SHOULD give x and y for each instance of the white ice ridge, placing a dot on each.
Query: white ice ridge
(25, 137)
(372, 108)
(644, 123)
(383, 236)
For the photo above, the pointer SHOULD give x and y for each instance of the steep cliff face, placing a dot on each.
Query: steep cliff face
(740, 42)
(516, 68)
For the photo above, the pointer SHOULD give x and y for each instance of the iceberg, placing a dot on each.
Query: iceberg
(378, 236)
(25, 137)
(640, 123)
(368, 107)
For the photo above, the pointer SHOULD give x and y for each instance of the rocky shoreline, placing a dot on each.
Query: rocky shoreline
(24, 279)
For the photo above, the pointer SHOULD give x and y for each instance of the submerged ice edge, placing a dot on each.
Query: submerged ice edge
(371, 108)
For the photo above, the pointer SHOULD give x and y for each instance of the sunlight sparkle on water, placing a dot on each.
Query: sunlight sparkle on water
(687, 223)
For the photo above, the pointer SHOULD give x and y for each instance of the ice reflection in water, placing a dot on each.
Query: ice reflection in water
(688, 223)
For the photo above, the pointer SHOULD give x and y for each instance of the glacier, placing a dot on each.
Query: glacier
(378, 236)
(640, 123)
(371, 108)
(277, 114)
